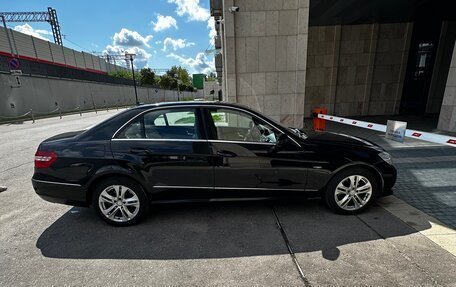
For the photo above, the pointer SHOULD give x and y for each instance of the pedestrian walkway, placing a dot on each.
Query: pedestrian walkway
(426, 171)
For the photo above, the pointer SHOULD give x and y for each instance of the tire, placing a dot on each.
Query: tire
(342, 197)
(120, 201)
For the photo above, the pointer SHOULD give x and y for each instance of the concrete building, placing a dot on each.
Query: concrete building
(354, 57)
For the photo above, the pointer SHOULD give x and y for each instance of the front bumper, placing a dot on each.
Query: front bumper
(389, 175)
(58, 192)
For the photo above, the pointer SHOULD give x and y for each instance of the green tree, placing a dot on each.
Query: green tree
(172, 72)
(147, 77)
(174, 76)
(190, 89)
(168, 82)
(212, 77)
(181, 74)
(122, 74)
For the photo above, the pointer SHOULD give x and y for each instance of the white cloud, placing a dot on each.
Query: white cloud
(140, 60)
(164, 23)
(29, 30)
(199, 64)
(128, 38)
(176, 44)
(127, 41)
(192, 9)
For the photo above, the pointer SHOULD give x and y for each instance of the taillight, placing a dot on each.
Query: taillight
(44, 159)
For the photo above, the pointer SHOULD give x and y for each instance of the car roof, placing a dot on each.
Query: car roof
(192, 103)
(106, 128)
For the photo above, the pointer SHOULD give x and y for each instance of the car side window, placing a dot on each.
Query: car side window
(164, 124)
(135, 130)
(233, 125)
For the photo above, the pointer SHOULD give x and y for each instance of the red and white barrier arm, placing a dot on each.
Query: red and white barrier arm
(436, 138)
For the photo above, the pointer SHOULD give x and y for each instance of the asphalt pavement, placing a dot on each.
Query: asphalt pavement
(274, 243)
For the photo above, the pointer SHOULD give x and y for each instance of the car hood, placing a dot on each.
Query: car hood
(340, 139)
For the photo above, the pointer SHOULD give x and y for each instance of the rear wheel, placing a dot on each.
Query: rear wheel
(351, 191)
(120, 201)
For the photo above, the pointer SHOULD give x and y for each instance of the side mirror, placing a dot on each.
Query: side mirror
(282, 140)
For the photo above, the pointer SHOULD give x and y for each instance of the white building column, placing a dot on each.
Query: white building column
(447, 117)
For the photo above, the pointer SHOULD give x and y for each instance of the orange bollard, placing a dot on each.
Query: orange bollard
(319, 124)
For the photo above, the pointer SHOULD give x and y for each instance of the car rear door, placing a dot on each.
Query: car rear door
(169, 149)
(246, 159)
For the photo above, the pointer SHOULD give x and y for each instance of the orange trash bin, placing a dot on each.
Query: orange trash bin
(319, 124)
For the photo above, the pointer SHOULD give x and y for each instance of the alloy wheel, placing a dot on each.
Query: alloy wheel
(118, 203)
(353, 192)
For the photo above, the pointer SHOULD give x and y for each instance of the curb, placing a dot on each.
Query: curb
(439, 233)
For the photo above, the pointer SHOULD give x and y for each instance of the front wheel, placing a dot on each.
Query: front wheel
(120, 201)
(351, 191)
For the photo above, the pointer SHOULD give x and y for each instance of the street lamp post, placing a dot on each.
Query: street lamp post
(131, 57)
(179, 82)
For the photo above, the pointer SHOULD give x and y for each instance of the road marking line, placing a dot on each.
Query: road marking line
(290, 250)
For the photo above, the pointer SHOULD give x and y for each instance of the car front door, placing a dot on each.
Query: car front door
(246, 158)
(169, 149)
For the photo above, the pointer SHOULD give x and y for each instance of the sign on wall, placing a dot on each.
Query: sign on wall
(14, 64)
(395, 130)
(16, 72)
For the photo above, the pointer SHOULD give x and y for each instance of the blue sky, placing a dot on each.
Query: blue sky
(162, 32)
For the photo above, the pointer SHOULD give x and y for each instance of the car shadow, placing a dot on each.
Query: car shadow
(217, 230)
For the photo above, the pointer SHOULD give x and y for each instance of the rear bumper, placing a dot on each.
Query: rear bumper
(58, 192)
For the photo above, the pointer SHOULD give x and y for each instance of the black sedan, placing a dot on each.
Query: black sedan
(201, 151)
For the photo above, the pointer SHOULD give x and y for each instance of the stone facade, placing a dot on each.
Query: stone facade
(357, 69)
(447, 118)
(265, 54)
(274, 62)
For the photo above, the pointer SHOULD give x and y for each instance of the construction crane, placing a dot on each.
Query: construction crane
(50, 16)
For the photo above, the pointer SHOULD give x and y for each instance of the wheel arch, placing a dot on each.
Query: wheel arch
(367, 166)
(115, 173)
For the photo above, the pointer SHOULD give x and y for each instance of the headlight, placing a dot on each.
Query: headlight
(386, 157)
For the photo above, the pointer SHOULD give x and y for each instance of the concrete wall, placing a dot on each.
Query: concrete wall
(447, 118)
(44, 95)
(264, 56)
(275, 63)
(26, 45)
(357, 69)
(208, 87)
(272, 61)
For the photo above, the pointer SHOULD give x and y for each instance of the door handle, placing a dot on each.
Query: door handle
(225, 153)
(139, 151)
